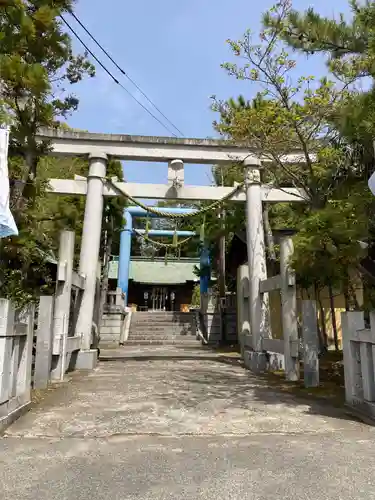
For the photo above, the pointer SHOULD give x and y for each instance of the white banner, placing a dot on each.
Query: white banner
(371, 184)
(7, 224)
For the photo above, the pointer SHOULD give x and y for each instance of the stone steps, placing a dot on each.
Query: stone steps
(140, 316)
(187, 343)
(145, 338)
(161, 328)
(160, 335)
(166, 330)
(161, 323)
(110, 330)
(163, 320)
(111, 322)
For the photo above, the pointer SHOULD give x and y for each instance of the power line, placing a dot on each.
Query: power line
(123, 71)
(113, 77)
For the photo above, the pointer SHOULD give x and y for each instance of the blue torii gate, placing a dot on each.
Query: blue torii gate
(126, 238)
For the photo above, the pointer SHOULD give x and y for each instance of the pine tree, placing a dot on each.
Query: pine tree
(347, 42)
(304, 114)
(37, 65)
(348, 46)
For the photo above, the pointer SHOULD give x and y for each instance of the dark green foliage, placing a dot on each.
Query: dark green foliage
(328, 119)
(37, 66)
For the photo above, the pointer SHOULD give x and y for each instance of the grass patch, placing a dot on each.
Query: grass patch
(331, 375)
(39, 395)
(227, 349)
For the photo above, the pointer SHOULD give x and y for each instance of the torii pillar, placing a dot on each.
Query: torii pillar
(258, 305)
(89, 257)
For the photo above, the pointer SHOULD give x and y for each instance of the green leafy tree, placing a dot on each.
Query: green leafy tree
(347, 44)
(37, 66)
(25, 271)
(302, 115)
(347, 41)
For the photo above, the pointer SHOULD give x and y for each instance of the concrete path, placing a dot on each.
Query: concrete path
(176, 424)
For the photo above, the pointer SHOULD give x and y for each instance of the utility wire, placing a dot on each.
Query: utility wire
(113, 77)
(123, 71)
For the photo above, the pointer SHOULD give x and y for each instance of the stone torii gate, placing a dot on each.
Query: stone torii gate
(98, 148)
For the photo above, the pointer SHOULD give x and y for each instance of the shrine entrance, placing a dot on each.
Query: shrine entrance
(159, 298)
(176, 152)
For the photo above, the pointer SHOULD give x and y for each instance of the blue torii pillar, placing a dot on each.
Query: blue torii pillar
(125, 243)
(124, 257)
(204, 264)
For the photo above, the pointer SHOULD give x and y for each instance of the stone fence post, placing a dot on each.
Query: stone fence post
(62, 303)
(43, 355)
(310, 338)
(289, 310)
(16, 349)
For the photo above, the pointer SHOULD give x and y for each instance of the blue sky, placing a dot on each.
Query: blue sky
(173, 50)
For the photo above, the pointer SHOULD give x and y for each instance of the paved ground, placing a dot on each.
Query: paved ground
(180, 425)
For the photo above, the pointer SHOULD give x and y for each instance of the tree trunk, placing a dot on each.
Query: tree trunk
(333, 315)
(322, 330)
(222, 287)
(222, 283)
(104, 287)
(353, 296)
(346, 297)
(350, 297)
(25, 187)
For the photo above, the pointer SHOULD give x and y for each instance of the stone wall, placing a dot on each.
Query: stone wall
(359, 363)
(339, 305)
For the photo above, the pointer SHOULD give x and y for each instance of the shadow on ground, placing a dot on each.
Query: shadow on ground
(174, 357)
(204, 383)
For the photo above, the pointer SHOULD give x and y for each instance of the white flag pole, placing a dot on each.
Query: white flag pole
(371, 183)
(7, 225)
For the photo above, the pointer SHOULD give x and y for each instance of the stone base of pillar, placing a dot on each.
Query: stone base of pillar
(87, 360)
(58, 371)
(56, 375)
(256, 362)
